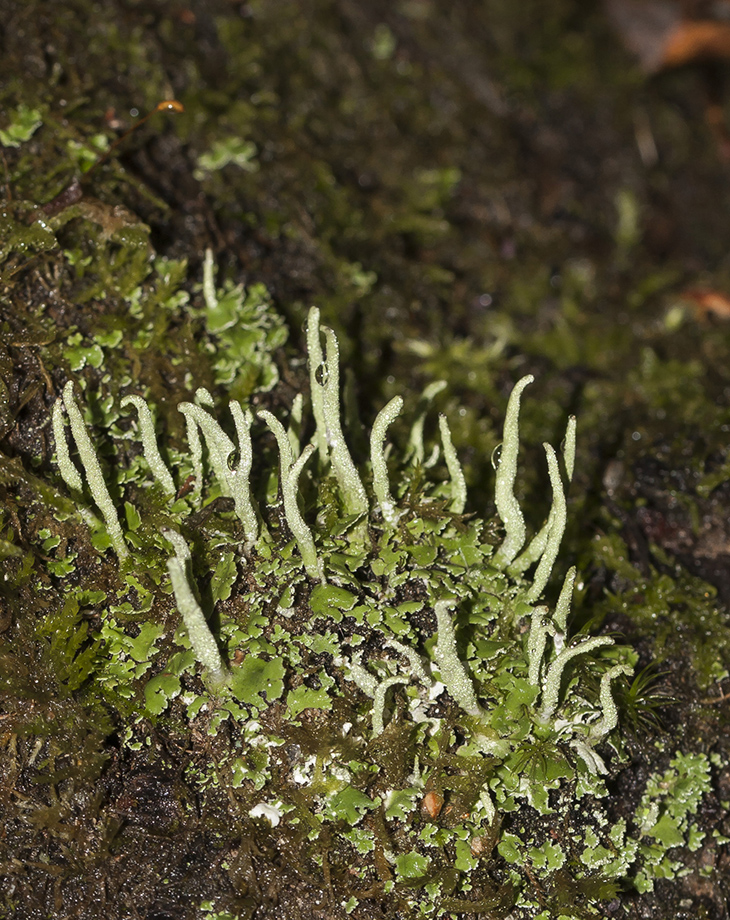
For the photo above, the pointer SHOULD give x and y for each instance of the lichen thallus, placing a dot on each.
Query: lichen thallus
(547, 648)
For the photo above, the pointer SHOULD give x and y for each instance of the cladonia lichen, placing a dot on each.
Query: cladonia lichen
(401, 686)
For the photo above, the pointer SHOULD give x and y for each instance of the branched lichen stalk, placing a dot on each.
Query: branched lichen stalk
(234, 482)
(220, 446)
(505, 499)
(381, 486)
(453, 672)
(458, 483)
(536, 546)
(94, 475)
(324, 378)
(150, 449)
(286, 454)
(201, 638)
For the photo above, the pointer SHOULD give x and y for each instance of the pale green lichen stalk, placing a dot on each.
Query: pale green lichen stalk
(66, 468)
(508, 506)
(387, 415)
(551, 689)
(379, 701)
(609, 719)
(325, 384)
(201, 638)
(220, 447)
(453, 672)
(414, 660)
(317, 372)
(562, 608)
(361, 677)
(538, 543)
(239, 478)
(290, 472)
(569, 444)
(556, 528)
(458, 482)
(90, 462)
(152, 455)
(234, 482)
(537, 640)
(209, 294)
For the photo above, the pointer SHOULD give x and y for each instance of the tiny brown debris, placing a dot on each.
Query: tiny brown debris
(707, 301)
(432, 804)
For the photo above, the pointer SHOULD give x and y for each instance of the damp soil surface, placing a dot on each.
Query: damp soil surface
(470, 192)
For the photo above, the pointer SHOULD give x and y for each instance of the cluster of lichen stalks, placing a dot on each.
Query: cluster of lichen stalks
(512, 557)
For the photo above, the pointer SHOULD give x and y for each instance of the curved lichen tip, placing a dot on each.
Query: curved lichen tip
(508, 507)
(381, 486)
(150, 448)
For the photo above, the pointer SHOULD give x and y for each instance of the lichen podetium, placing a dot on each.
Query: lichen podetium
(374, 650)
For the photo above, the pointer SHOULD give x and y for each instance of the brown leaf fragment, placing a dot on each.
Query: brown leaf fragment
(645, 27)
(696, 41)
(667, 33)
(708, 302)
